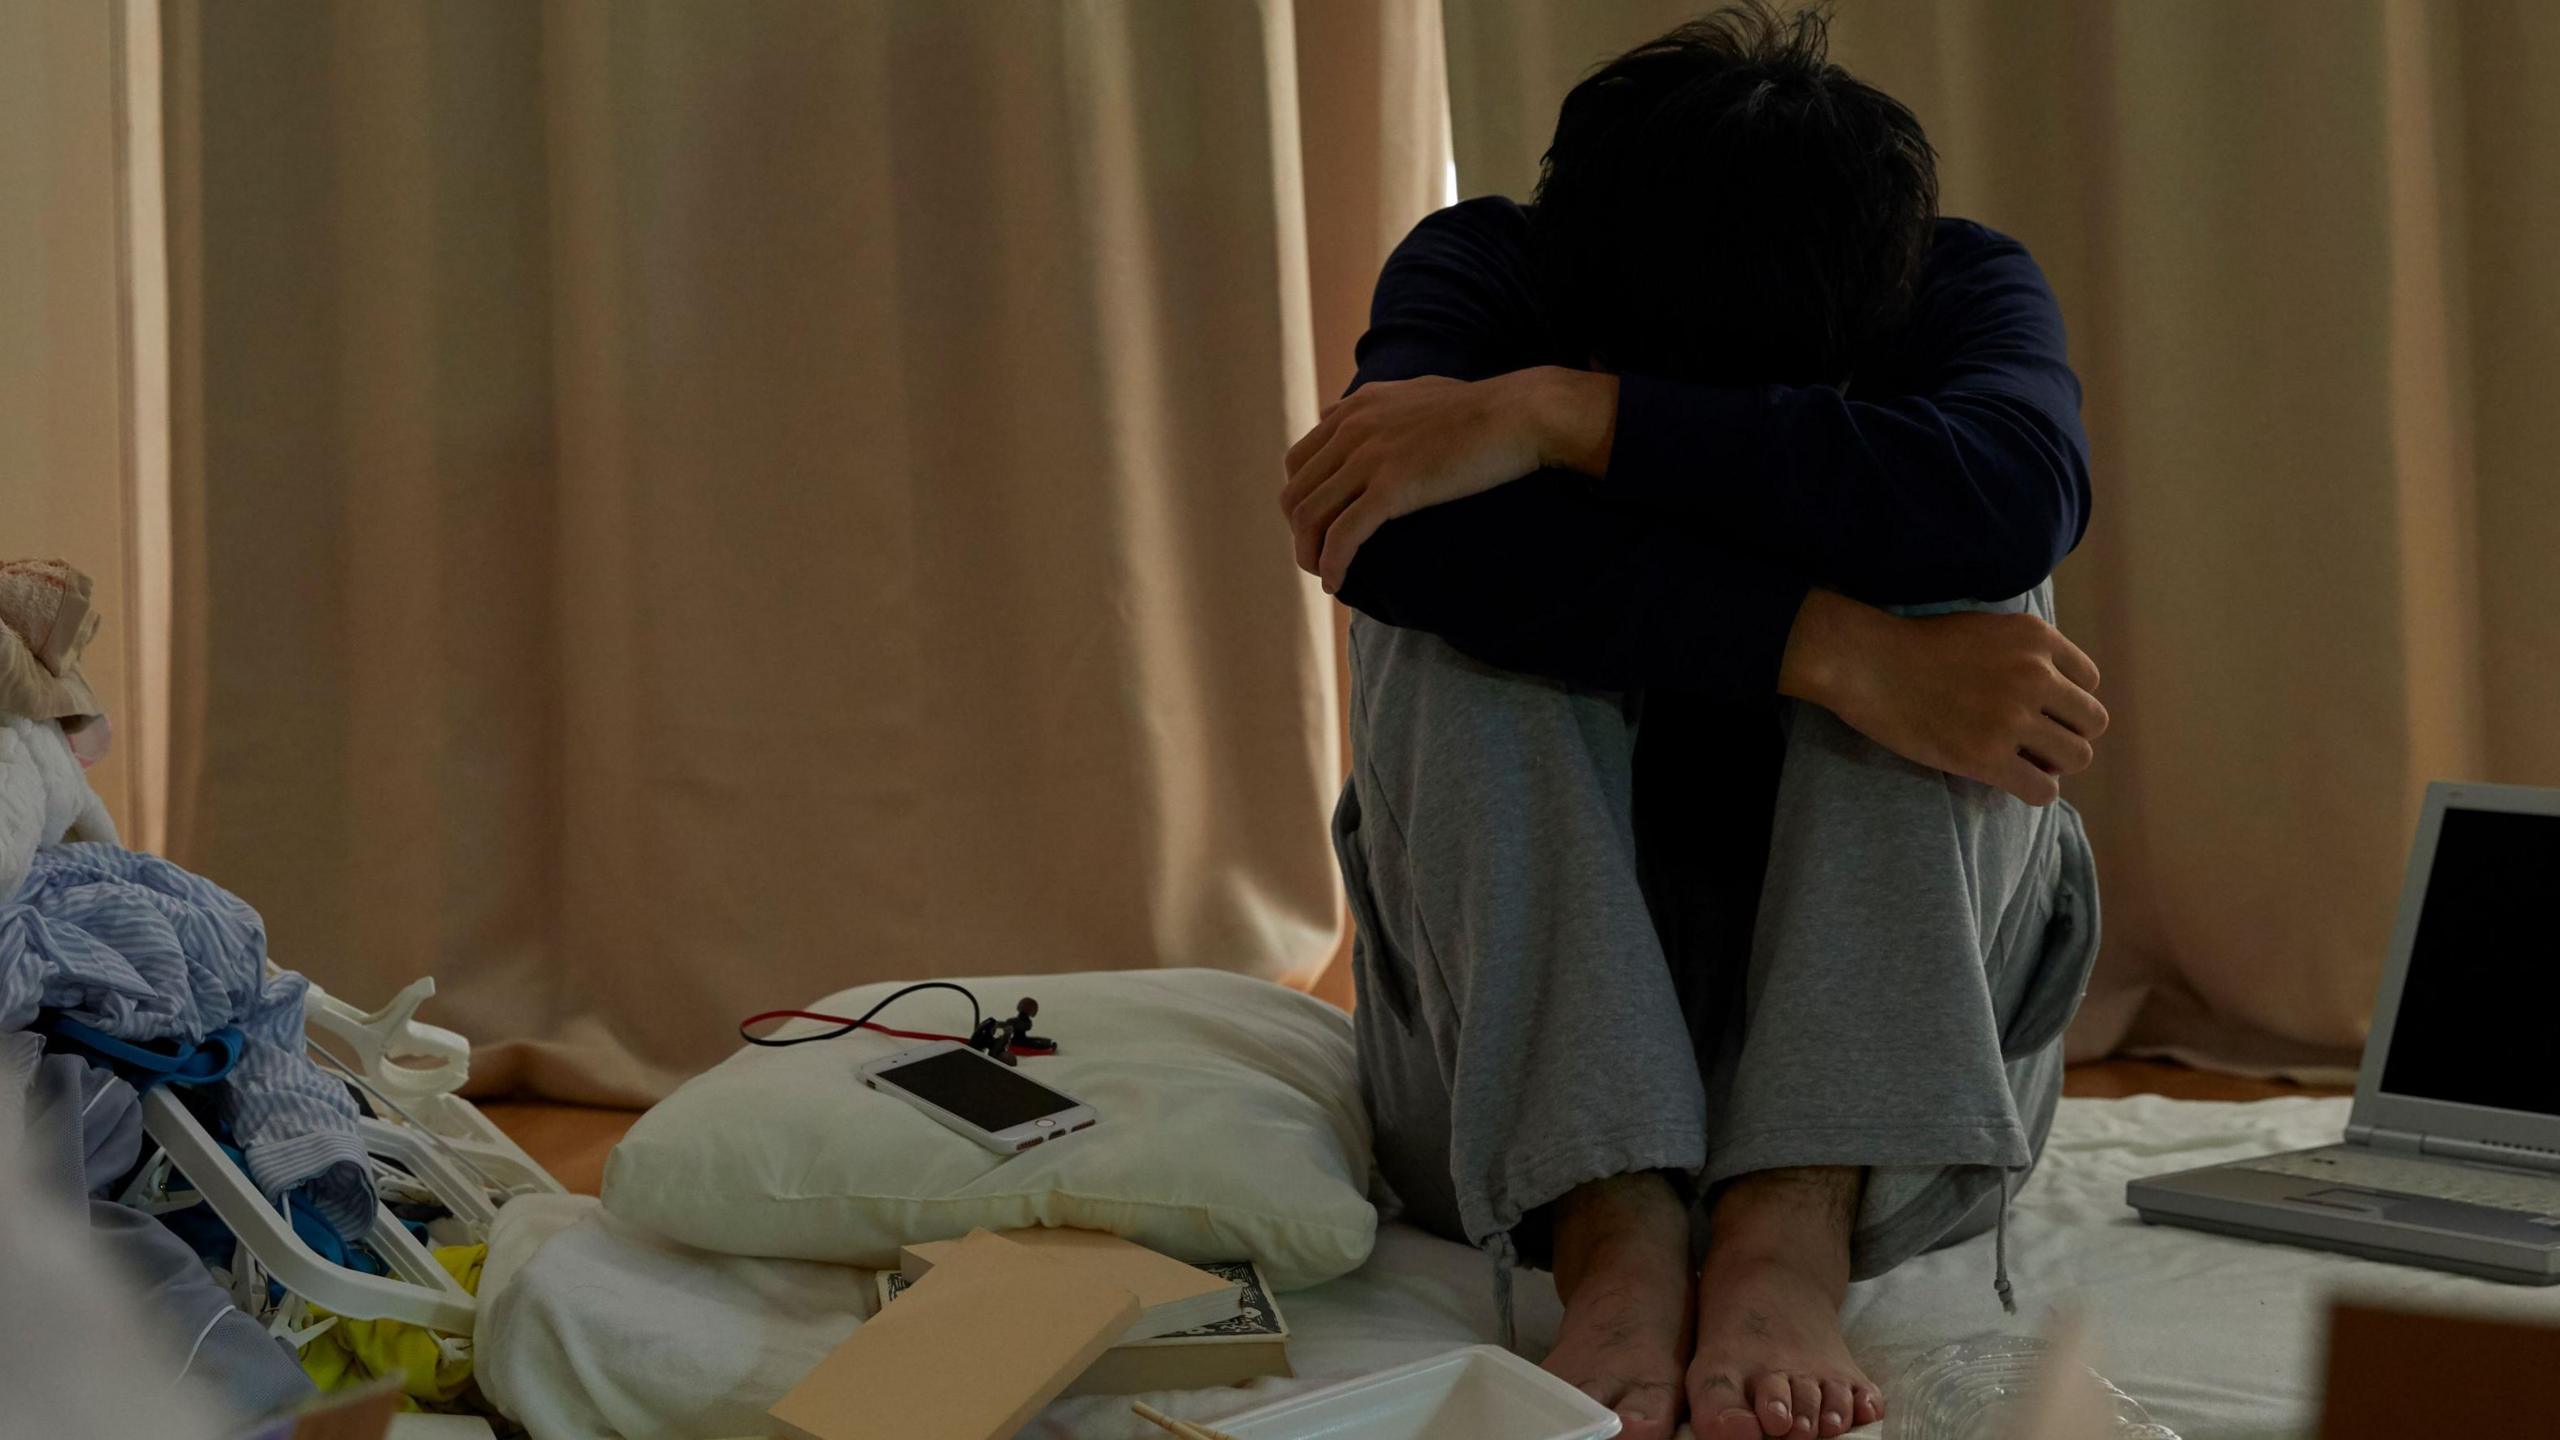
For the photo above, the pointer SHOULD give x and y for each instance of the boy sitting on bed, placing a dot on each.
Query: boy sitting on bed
(1717, 921)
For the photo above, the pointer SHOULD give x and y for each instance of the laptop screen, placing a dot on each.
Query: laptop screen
(2479, 1018)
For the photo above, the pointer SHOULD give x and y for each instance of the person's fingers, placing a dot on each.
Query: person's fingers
(1317, 513)
(1331, 405)
(2077, 710)
(1835, 1408)
(1349, 531)
(1335, 483)
(2021, 777)
(2074, 663)
(1308, 447)
(1807, 1402)
(2056, 748)
(1774, 1398)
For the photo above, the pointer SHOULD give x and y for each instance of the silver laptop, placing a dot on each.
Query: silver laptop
(2452, 1153)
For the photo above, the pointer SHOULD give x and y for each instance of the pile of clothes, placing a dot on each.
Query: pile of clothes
(121, 972)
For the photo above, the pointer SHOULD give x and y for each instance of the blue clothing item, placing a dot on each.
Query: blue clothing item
(1952, 466)
(136, 947)
(145, 1065)
(205, 1232)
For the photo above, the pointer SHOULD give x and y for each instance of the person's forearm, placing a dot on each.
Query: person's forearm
(1979, 546)
(1959, 470)
(1541, 577)
(1823, 658)
(1576, 415)
(2000, 698)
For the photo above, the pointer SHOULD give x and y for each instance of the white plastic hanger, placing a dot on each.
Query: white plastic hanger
(401, 1057)
(445, 1144)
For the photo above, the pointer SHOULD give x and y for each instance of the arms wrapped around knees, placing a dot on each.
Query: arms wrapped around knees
(1670, 535)
(1609, 599)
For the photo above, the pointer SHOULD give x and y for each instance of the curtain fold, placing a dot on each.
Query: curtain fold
(2295, 245)
(705, 505)
(67, 467)
(673, 509)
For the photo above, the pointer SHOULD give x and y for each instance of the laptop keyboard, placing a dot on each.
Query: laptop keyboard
(2409, 1175)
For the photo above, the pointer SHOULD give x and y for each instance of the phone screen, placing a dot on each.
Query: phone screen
(979, 1090)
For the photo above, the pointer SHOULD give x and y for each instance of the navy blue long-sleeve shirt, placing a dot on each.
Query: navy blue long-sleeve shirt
(1954, 466)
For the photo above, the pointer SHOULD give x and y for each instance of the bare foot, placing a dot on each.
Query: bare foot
(1622, 1266)
(1770, 1359)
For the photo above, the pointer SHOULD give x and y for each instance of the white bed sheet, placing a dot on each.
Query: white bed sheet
(592, 1330)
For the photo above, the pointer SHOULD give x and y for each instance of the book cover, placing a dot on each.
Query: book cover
(1172, 1296)
(1230, 1352)
(995, 1333)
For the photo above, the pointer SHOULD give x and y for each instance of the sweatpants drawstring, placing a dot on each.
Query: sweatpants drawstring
(1505, 1258)
(2000, 1251)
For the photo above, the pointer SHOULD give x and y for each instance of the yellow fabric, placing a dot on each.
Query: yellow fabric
(433, 1369)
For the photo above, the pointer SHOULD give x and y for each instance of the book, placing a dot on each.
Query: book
(1253, 1344)
(975, 1350)
(1172, 1296)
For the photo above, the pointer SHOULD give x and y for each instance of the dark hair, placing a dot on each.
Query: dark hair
(1725, 204)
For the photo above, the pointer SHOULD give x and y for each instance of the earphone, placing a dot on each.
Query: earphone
(1005, 1040)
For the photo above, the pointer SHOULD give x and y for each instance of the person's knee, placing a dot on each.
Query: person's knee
(1858, 831)
(1424, 712)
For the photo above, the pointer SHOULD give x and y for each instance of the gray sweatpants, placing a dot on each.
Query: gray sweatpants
(1919, 944)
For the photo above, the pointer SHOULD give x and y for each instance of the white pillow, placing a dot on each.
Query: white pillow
(1231, 1127)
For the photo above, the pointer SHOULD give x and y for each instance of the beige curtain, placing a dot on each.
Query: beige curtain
(2301, 248)
(678, 507)
(684, 507)
(81, 457)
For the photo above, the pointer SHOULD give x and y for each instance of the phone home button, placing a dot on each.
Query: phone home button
(1048, 1124)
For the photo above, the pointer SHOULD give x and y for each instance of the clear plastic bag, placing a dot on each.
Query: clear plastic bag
(1977, 1389)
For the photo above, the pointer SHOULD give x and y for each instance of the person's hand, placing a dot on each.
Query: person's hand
(2003, 699)
(1392, 447)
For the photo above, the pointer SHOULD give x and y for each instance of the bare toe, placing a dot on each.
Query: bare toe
(1648, 1410)
(1720, 1409)
(1775, 1399)
(1623, 1266)
(1731, 1425)
(1835, 1408)
(1768, 1334)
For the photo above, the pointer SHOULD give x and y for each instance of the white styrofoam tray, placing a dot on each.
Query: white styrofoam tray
(1482, 1392)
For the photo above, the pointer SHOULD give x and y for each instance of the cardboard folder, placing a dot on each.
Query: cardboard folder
(972, 1352)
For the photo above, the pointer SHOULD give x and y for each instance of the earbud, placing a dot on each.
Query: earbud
(1007, 1040)
(1019, 1027)
(994, 1039)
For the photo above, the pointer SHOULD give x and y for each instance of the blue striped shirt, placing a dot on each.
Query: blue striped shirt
(143, 950)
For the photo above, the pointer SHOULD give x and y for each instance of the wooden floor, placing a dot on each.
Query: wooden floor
(2115, 1079)
(571, 1140)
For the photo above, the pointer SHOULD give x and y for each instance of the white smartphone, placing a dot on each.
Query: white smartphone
(987, 1100)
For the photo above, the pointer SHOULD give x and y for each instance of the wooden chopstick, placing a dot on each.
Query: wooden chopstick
(1181, 1429)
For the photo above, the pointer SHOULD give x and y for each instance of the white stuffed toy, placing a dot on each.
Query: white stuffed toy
(51, 726)
(45, 798)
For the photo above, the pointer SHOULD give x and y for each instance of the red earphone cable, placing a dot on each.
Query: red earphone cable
(868, 1025)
